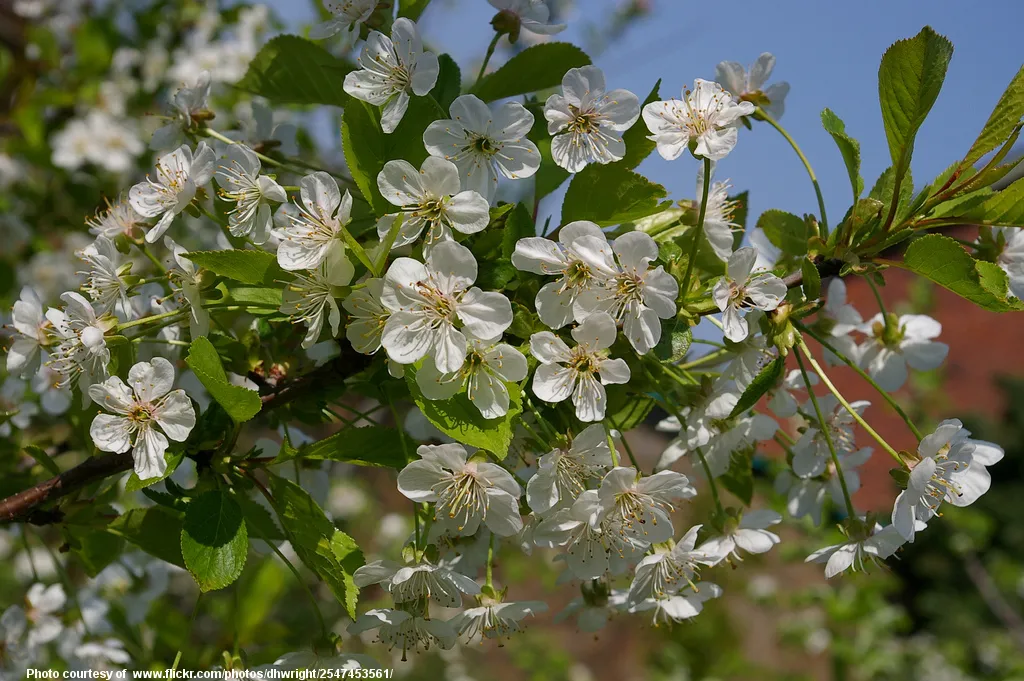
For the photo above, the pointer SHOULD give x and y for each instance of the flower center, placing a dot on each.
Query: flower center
(583, 362)
(583, 122)
(483, 145)
(462, 497)
(140, 414)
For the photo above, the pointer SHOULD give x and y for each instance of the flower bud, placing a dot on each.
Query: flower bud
(507, 23)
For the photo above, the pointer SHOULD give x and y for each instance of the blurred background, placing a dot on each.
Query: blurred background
(82, 86)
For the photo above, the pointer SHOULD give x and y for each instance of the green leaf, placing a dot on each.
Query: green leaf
(626, 412)
(909, 80)
(945, 262)
(240, 403)
(258, 521)
(610, 195)
(293, 70)
(214, 540)
(812, 279)
(173, 459)
(518, 225)
(638, 147)
(1000, 124)
(323, 548)
(535, 68)
(458, 418)
(42, 458)
(156, 530)
(676, 338)
(248, 267)
(1004, 208)
(785, 230)
(97, 549)
(449, 81)
(765, 380)
(365, 446)
(739, 479)
(848, 147)
(412, 9)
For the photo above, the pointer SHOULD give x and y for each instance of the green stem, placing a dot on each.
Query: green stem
(881, 304)
(629, 450)
(416, 526)
(490, 563)
(146, 320)
(807, 165)
(863, 374)
(163, 341)
(850, 512)
(487, 57)
(144, 247)
(437, 105)
(357, 248)
(611, 446)
(541, 421)
(698, 230)
(710, 358)
(191, 623)
(842, 400)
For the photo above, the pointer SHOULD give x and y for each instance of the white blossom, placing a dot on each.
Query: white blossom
(857, 552)
(781, 400)
(704, 119)
(410, 633)
(533, 15)
(750, 534)
(311, 296)
(739, 290)
(81, 356)
(430, 199)
(906, 340)
(15, 411)
(665, 573)
(592, 617)
(749, 85)
(32, 334)
(34, 624)
(178, 175)
(484, 141)
(807, 496)
(390, 70)
(680, 606)
(144, 415)
(493, 620)
(315, 235)
(187, 101)
(119, 218)
(53, 398)
(562, 474)
(104, 282)
(187, 287)
(1010, 244)
(466, 493)
(408, 583)
(811, 453)
(840, 318)
(641, 504)
(347, 15)
(720, 226)
(367, 316)
(587, 122)
(252, 193)
(580, 372)
(426, 299)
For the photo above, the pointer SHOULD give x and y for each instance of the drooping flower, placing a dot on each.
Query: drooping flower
(144, 415)
(720, 226)
(347, 16)
(189, 101)
(530, 15)
(562, 474)
(705, 118)
(738, 290)
(580, 372)
(641, 504)
(587, 122)
(681, 606)
(252, 193)
(426, 299)
(750, 534)
(857, 552)
(811, 453)
(749, 85)
(311, 296)
(905, 340)
(119, 218)
(493, 620)
(309, 237)
(400, 629)
(390, 70)
(33, 334)
(408, 583)
(178, 175)
(81, 356)
(665, 573)
(489, 364)
(484, 141)
(430, 199)
(187, 287)
(104, 282)
(556, 300)
(635, 295)
(466, 493)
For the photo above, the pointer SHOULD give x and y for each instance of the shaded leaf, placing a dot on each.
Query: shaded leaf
(535, 68)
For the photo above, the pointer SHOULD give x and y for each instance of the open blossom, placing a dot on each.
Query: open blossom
(811, 452)
(705, 118)
(782, 402)
(488, 366)
(634, 294)
(311, 296)
(738, 290)
(81, 356)
(839, 318)
(665, 573)
(720, 226)
(410, 633)
(252, 193)
(187, 101)
(367, 317)
(580, 372)
(34, 624)
(641, 504)
(466, 493)
(492, 620)
(680, 606)
(593, 616)
(530, 15)
(144, 415)
(408, 583)
(119, 218)
(426, 299)
(905, 340)
(178, 175)
(587, 122)
(104, 283)
(556, 300)
(346, 17)
(33, 334)
(484, 141)
(430, 199)
(1010, 247)
(856, 553)
(563, 474)
(749, 85)
(187, 287)
(807, 496)
(315, 234)
(390, 70)
(17, 412)
(750, 534)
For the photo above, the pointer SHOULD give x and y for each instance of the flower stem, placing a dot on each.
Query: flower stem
(622, 436)
(144, 247)
(487, 57)
(881, 304)
(842, 400)
(698, 229)
(850, 512)
(146, 320)
(807, 164)
(863, 374)
(490, 563)
(710, 358)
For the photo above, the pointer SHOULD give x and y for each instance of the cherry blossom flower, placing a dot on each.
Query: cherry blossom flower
(251, 192)
(484, 141)
(430, 199)
(400, 629)
(308, 660)
(665, 573)
(414, 582)
(593, 610)
(188, 101)
(16, 411)
(720, 226)
(309, 297)
(53, 398)
(466, 493)
(807, 496)
(426, 299)
(119, 218)
(641, 504)
(634, 295)
(750, 534)
(494, 620)
(81, 356)
(811, 453)
(587, 122)
(178, 175)
(33, 333)
(187, 286)
(739, 290)
(1010, 248)
(391, 69)
(781, 400)
(580, 372)
(104, 282)
(530, 15)
(856, 553)
(144, 415)
(368, 317)
(36, 623)
(749, 85)
(684, 605)
(906, 340)
(562, 474)
(556, 300)
(489, 365)
(838, 319)
(704, 119)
